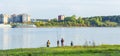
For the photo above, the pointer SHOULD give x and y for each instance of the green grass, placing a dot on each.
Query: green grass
(103, 50)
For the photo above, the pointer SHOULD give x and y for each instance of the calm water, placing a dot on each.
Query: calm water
(37, 37)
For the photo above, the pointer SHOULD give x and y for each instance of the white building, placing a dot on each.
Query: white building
(4, 18)
(25, 18)
(21, 18)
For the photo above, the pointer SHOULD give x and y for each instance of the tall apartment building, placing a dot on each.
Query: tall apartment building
(21, 18)
(4, 18)
(13, 18)
(61, 17)
(25, 18)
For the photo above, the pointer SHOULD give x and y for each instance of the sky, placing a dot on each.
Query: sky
(48, 9)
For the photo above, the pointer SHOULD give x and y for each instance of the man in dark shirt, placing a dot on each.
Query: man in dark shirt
(62, 42)
(57, 43)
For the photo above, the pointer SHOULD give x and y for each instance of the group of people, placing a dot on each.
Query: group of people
(62, 43)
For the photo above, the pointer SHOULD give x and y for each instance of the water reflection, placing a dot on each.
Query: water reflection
(26, 39)
(37, 37)
(6, 39)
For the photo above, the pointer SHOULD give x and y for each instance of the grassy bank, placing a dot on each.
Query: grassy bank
(104, 50)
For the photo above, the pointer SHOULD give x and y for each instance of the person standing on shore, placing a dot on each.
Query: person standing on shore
(48, 43)
(62, 42)
(57, 43)
(71, 43)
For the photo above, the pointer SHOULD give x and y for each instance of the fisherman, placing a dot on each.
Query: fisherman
(57, 43)
(71, 43)
(62, 42)
(48, 43)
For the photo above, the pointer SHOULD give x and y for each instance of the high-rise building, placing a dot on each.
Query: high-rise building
(1, 20)
(4, 18)
(18, 19)
(12, 18)
(21, 18)
(61, 17)
(25, 18)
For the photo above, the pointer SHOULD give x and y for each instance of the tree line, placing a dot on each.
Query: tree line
(96, 21)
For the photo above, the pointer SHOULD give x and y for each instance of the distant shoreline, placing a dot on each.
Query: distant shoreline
(73, 27)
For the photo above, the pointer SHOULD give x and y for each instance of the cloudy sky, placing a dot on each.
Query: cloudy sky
(52, 8)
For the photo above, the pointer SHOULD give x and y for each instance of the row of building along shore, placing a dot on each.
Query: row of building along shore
(22, 18)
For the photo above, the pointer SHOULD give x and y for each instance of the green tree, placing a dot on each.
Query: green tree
(71, 19)
(80, 20)
(38, 24)
(54, 20)
(108, 23)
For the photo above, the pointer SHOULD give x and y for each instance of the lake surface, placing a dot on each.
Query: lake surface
(11, 38)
